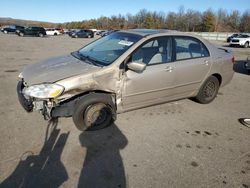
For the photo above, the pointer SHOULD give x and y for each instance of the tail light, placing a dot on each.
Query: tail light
(233, 60)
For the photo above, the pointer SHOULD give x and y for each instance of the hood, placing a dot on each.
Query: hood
(55, 69)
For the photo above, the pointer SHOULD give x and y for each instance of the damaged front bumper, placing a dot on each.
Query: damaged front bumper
(30, 104)
(47, 107)
(26, 103)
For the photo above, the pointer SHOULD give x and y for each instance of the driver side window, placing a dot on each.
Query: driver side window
(154, 51)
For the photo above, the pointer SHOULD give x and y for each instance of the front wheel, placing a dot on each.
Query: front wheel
(94, 111)
(40, 35)
(21, 34)
(208, 90)
(5, 32)
(246, 45)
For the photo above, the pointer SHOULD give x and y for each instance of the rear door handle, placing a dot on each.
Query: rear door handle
(169, 69)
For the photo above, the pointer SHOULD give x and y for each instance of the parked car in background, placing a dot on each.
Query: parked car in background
(60, 30)
(233, 36)
(108, 32)
(11, 28)
(52, 31)
(83, 33)
(99, 32)
(71, 31)
(66, 31)
(32, 31)
(242, 40)
(123, 71)
(94, 30)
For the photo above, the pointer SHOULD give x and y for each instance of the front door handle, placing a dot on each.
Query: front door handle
(169, 69)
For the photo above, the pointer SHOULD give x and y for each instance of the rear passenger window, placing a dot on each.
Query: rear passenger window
(188, 48)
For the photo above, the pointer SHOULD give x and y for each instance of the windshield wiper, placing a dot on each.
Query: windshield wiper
(90, 59)
(96, 61)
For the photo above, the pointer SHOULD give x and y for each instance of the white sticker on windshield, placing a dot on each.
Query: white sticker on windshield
(125, 43)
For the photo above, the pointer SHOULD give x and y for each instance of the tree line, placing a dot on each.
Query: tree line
(182, 20)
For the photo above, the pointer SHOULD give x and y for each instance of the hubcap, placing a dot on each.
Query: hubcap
(97, 114)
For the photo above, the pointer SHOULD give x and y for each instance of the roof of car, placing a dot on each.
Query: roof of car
(145, 32)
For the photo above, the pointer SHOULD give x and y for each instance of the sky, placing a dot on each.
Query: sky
(59, 11)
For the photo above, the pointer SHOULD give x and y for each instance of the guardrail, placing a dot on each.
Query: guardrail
(220, 36)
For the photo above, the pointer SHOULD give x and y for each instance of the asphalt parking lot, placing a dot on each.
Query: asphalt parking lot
(177, 144)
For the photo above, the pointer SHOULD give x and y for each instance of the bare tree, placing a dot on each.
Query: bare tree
(245, 22)
(183, 20)
(208, 21)
(233, 20)
(171, 20)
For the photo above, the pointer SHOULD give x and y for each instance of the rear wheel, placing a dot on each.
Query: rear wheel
(21, 34)
(94, 111)
(208, 90)
(89, 36)
(55, 34)
(5, 31)
(246, 45)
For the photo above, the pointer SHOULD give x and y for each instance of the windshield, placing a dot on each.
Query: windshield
(107, 49)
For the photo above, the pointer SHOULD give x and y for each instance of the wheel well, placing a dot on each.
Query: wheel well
(76, 97)
(96, 91)
(65, 109)
(218, 76)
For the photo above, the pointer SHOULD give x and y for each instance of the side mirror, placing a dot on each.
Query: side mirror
(137, 66)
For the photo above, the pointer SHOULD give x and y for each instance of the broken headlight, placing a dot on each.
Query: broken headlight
(44, 91)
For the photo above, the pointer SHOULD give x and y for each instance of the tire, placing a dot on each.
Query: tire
(89, 36)
(55, 34)
(208, 90)
(40, 35)
(76, 36)
(5, 32)
(93, 112)
(21, 34)
(246, 45)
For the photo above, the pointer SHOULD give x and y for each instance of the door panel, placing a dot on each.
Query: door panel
(192, 64)
(190, 73)
(154, 85)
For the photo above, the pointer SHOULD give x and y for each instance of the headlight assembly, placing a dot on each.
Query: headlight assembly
(44, 91)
